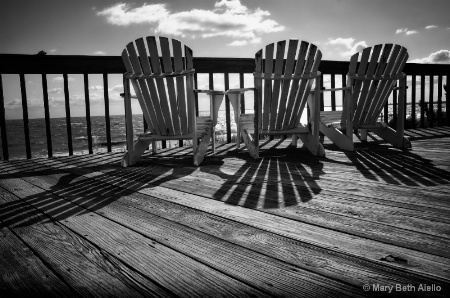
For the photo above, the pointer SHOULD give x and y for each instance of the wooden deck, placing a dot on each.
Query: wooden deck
(288, 224)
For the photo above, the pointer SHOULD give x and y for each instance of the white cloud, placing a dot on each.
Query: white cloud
(406, 31)
(122, 15)
(347, 46)
(431, 27)
(98, 87)
(54, 90)
(61, 79)
(228, 18)
(31, 103)
(117, 88)
(238, 43)
(52, 51)
(99, 53)
(439, 57)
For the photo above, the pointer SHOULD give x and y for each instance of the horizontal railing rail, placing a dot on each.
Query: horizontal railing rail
(44, 65)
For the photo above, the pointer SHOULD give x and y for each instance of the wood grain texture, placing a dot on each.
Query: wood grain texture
(287, 224)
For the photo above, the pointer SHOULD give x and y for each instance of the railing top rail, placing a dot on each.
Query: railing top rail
(77, 64)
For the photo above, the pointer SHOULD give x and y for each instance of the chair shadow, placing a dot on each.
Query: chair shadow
(280, 178)
(379, 161)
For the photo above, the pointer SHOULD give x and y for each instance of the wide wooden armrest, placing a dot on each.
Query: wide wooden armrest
(123, 95)
(331, 89)
(239, 90)
(210, 92)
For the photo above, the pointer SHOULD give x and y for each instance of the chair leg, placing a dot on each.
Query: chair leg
(253, 149)
(391, 136)
(313, 144)
(363, 135)
(337, 137)
(154, 147)
(294, 141)
(131, 157)
(200, 151)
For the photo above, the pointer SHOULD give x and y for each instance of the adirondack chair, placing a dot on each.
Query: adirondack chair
(369, 84)
(282, 91)
(164, 85)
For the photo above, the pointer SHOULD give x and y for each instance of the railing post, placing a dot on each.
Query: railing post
(107, 119)
(447, 103)
(333, 93)
(67, 104)
(47, 116)
(422, 101)
(88, 112)
(439, 103)
(395, 100)
(413, 101)
(242, 98)
(3, 122)
(431, 112)
(227, 108)
(26, 129)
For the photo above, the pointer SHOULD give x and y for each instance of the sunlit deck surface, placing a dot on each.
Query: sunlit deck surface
(289, 224)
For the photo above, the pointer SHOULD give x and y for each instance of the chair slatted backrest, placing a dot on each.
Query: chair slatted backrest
(285, 82)
(163, 81)
(375, 76)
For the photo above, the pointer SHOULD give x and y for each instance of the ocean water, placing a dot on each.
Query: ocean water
(38, 138)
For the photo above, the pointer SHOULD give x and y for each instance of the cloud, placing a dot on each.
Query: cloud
(99, 53)
(227, 19)
(61, 79)
(431, 27)
(439, 57)
(347, 46)
(122, 15)
(31, 103)
(55, 90)
(117, 88)
(406, 31)
(52, 51)
(98, 87)
(238, 43)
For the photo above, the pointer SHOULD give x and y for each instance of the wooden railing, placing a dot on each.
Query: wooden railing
(104, 65)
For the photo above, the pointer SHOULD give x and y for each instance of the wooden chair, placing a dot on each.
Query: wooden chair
(369, 84)
(164, 84)
(282, 91)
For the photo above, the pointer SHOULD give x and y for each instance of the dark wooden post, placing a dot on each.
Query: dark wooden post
(447, 104)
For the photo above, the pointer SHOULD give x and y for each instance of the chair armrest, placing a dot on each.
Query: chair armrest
(239, 90)
(210, 92)
(123, 95)
(331, 89)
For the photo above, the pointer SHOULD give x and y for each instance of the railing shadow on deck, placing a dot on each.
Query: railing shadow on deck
(280, 178)
(377, 161)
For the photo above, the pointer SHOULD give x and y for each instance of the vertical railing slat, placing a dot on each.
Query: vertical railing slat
(333, 93)
(26, 128)
(447, 104)
(3, 122)
(242, 96)
(227, 107)
(88, 112)
(67, 105)
(107, 119)
(413, 101)
(395, 99)
(439, 102)
(431, 105)
(322, 103)
(48, 130)
(422, 100)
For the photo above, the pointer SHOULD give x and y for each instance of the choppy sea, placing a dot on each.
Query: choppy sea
(38, 138)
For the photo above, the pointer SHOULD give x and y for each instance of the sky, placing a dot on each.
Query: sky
(211, 28)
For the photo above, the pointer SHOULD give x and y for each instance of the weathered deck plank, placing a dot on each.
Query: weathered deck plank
(285, 225)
